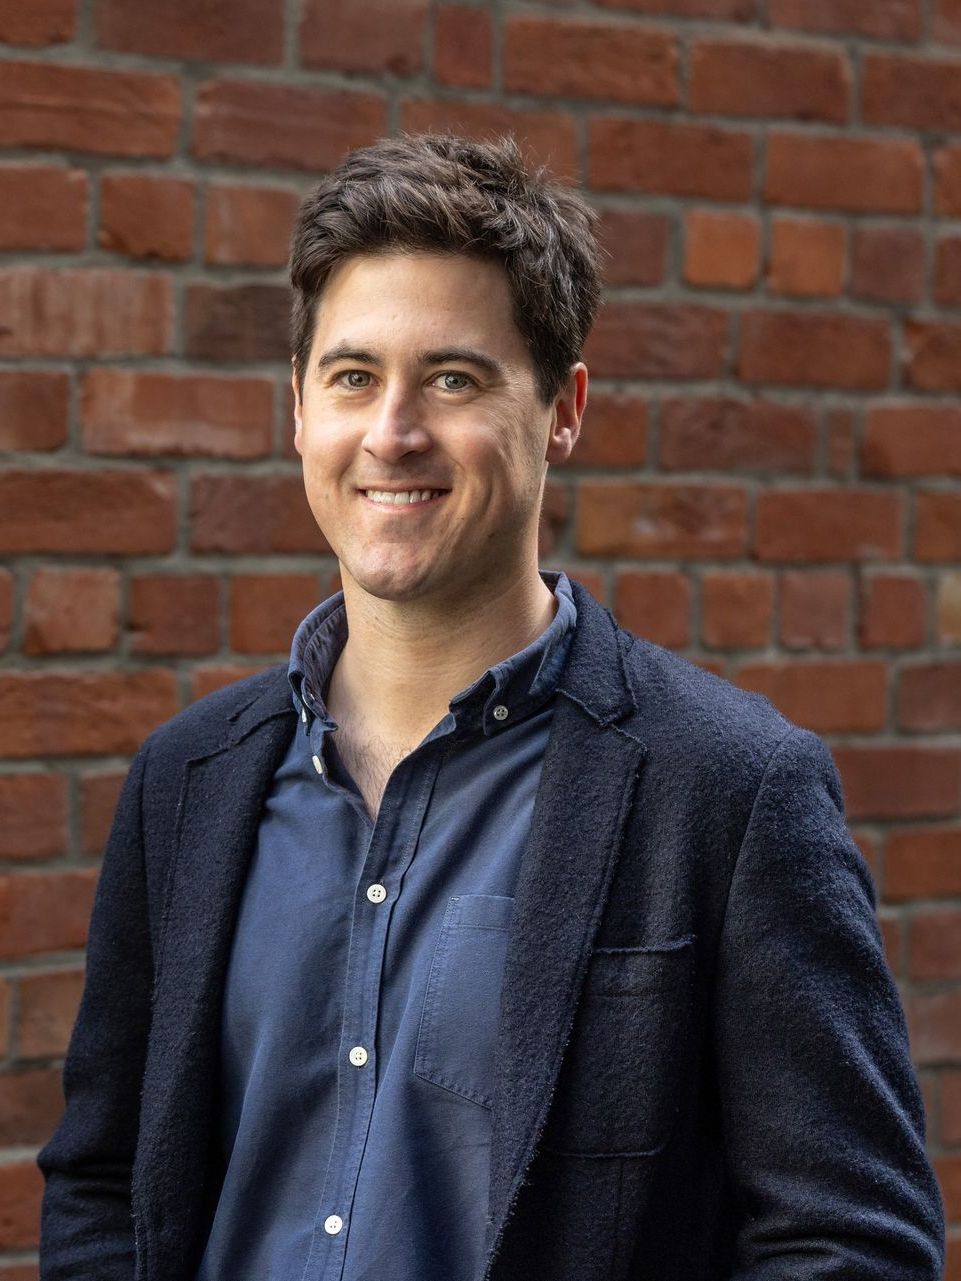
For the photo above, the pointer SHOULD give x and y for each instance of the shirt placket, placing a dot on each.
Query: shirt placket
(390, 848)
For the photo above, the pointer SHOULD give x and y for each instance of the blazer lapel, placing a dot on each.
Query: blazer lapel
(223, 793)
(590, 771)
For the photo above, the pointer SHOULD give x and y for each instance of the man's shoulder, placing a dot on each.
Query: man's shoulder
(210, 721)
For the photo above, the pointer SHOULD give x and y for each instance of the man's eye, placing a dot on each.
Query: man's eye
(453, 382)
(357, 379)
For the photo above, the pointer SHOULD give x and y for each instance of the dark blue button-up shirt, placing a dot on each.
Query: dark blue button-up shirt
(363, 990)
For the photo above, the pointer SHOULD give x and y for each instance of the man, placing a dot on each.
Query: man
(484, 939)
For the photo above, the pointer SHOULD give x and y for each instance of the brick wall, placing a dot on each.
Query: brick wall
(768, 479)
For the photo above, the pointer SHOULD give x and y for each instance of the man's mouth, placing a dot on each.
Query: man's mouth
(403, 497)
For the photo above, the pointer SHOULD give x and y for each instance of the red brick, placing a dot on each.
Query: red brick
(670, 158)
(249, 226)
(579, 59)
(655, 605)
(34, 406)
(615, 519)
(376, 36)
(31, 1104)
(658, 340)
(900, 782)
(85, 311)
(33, 815)
(946, 28)
(862, 175)
(44, 912)
(206, 680)
(815, 609)
(763, 77)
(937, 529)
(244, 322)
(635, 244)
(933, 355)
(815, 349)
(42, 22)
(839, 447)
(7, 606)
(948, 1171)
(929, 696)
(948, 622)
(951, 1106)
(947, 270)
(828, 525)
(128, 412)
(252, 514)
(902, 89)
(934, 1026)
(722, 250)
(824, 695)
(923, 863)
(71, 611)
(21, 1188)
(99, 794)
(42, 207)
(887, 264)
(463, 47)
(215, 31)
(887, 19)
(935, 947)
(546, 137)
(76, 713)
(124, 113)
(174, 614)
(614, 431)
(6, 1002)
(19, 1272)
(147, 216)
(947, 176)
(48, 1008)
(893, 612)
(735, 435)
(807, 257)
(276, 125)
(265, 610)
(912, 440)
(734, 9)
(84, 511)
(736, 609)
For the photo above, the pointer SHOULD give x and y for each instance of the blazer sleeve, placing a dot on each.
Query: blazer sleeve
(87, 1229)
(823, 1121)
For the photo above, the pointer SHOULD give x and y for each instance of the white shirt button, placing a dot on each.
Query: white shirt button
(318, 764)
(333, 1223)
(500, 712)
(358, 1056)
(376, 893)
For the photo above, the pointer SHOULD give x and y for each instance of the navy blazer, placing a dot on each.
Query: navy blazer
(702, 1070)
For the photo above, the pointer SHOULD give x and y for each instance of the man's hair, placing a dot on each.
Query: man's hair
(444, 194)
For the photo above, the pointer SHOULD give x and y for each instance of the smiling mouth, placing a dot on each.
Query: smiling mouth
(404, 498)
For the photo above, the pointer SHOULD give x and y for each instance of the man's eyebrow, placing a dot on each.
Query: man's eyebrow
(344, 351)
(465, 356)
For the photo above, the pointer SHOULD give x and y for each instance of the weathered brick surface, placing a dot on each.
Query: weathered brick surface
(768, 477)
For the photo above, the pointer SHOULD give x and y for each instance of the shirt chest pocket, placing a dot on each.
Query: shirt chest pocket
(458, 1026)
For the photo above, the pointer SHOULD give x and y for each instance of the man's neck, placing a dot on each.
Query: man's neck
(402, 665)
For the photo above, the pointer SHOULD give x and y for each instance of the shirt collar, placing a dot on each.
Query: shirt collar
(507, 692)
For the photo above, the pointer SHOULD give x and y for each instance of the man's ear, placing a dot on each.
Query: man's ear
(298, 409)
(566, 414)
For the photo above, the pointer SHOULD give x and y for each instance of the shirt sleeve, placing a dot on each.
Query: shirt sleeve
(822, 1116)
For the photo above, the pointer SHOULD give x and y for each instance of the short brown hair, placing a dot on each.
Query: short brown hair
(441, 193)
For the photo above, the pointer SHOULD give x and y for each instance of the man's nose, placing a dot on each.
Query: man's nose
(396, 427)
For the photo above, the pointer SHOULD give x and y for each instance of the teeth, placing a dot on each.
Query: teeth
(407, 496)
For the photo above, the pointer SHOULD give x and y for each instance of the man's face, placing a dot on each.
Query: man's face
(418, 380)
